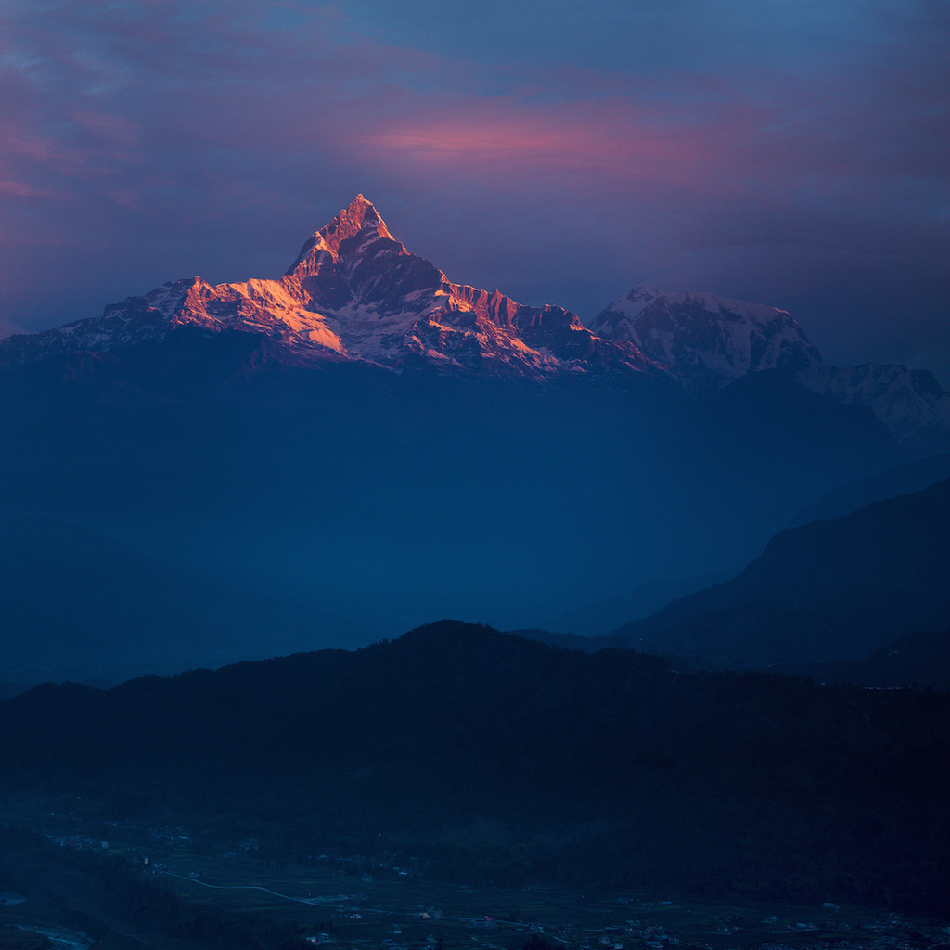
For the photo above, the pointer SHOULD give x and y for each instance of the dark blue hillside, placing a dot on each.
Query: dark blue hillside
(590, 767)
(827, 591)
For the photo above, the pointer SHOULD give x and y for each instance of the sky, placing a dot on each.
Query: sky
(794, 153)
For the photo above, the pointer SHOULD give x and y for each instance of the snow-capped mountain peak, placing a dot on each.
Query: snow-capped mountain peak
(351, 231)
(355, 292)
(704, 338)
(705, 341)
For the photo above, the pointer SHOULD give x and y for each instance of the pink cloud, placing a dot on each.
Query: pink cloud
(20, 189)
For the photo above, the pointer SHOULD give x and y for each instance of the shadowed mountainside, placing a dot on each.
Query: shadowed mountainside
(918, 659)
(903, 479)
(395, 498)
(829, 590)
(496, 758)
(366, 437)
(82, 605)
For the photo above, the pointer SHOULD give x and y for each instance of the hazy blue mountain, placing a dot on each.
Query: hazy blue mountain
(600, 619)
(392, 498)
(366, 437)
(900, 480)
(828, 590)
(77, 605)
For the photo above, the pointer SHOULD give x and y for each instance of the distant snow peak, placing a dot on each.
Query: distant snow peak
(703, 338)
(704, 341)
(909, 402)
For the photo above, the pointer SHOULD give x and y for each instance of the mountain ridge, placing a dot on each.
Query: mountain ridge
(704, 341)
(480, 459)
(605, 768)
(829, 590)
(85, 605)
(355, 293)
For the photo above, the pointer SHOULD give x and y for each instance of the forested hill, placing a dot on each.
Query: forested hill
(499, 758)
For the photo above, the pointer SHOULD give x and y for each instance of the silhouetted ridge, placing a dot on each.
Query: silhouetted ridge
(608, 766)
(901, 480)
(918, 659)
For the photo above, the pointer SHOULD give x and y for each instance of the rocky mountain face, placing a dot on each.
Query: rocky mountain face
(910, 403)
(365, 437)
(355, 293)
(704, 341)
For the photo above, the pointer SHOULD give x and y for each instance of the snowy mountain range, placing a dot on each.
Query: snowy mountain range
(704, 341)
(354, 293)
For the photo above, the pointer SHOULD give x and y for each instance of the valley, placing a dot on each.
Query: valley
(499, 761)
(371, 903)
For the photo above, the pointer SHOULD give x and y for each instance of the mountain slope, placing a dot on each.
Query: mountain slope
(605, 768)
(366, 436)
(704, 341)
(904, 479)
(829, 590)
(78, 605)
(356, 293)
(393, 497)
(917, 659)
